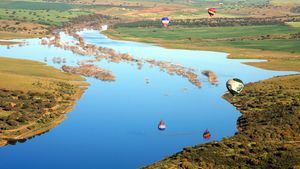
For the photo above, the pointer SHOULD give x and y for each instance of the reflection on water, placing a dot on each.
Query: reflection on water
(114, 125)
(14, 142)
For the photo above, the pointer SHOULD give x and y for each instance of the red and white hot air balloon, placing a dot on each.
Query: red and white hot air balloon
(211, 11)
(161, 125)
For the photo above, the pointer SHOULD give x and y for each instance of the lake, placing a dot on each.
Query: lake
(114, 124)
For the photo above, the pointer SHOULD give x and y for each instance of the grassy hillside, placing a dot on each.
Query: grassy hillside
(46, 17)
(184, 9)
(286, 45)
(205, 33)
(33, 98)
(35, 5)
(27, 19)
(58, 12)
(17, 74)
(16, 29)
(40, 12)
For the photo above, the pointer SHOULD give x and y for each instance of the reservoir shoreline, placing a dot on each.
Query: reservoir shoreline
(270, 126)
(50, 111)
(272, 58)
(212, 81)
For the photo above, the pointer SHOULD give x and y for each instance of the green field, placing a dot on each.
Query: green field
(36, 5)
(240, 41)
(216, 36)
(40, 12)
(53, 6)
(294, 24)
(292, 46)
(48, 17)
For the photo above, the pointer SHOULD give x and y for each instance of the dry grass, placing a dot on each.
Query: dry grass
(18, 74)
(7, 43)
(285, 2)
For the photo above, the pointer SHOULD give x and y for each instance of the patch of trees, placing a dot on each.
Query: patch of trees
(268, 131)
(215, 22)
(91, 19)
(295, 9)
(22, 107)
(18, 108)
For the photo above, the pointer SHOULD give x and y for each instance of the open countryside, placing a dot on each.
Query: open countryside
(149, 84)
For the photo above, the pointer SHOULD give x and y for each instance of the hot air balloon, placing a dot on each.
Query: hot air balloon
(211, 11)
(206, 134)
(235, 86)
(104, 27)
(165, 21)
(161, 125)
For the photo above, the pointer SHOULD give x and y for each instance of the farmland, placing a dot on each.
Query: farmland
(35, 98)
(255, 42)
(213, 33)
(23, 19)
(46, 17)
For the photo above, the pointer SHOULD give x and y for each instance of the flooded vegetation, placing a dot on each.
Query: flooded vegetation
(177, 69)
(172, 82)
(90, 71)
(127, 64)
(211, 76)
(99, 53)
(57, 60)
(159, 101)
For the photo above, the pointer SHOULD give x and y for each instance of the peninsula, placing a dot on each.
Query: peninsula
(34, 98)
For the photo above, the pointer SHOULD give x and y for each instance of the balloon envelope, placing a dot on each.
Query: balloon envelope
(165, 21)
(206, 135)
(211, 11)
(104, 27)
(161, 125)
(235, 86)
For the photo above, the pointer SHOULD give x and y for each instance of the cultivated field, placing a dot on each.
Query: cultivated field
(34, 97)
(272, 42)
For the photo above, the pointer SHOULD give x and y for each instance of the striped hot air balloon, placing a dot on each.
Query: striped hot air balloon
(235, 86)
(206, 134)
(165, 21)
(211, 11)
(161, 125)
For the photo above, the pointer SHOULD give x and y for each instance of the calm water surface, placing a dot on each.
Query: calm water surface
(114, 124)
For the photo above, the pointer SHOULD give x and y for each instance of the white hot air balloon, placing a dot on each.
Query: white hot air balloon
(104, 27)
(235, 86)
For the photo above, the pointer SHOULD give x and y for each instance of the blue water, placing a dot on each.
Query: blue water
(114, 124)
